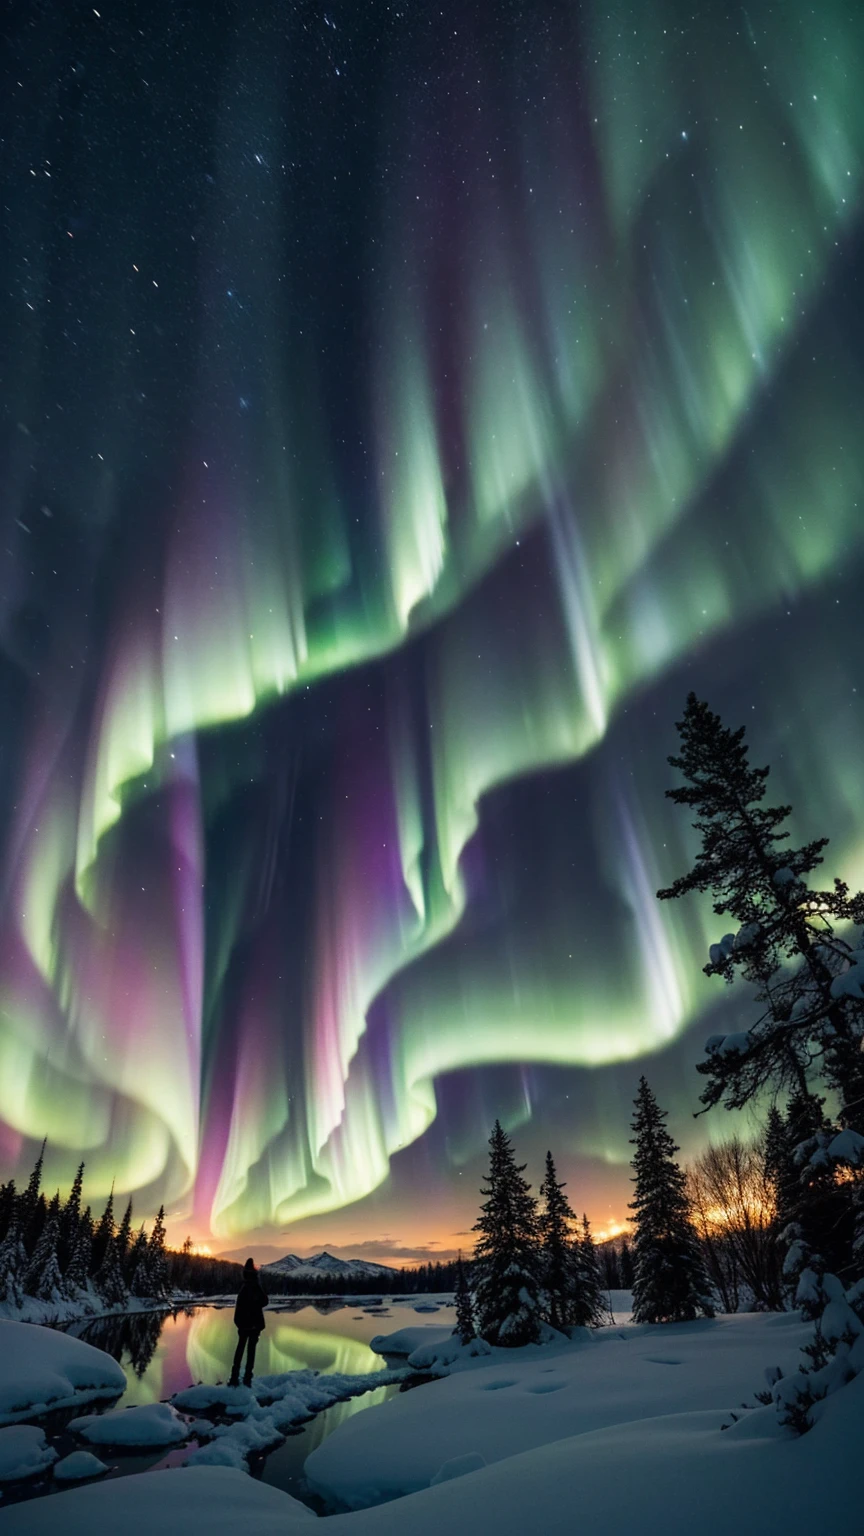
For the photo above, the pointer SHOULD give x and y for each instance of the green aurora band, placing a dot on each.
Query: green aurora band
(610, 431)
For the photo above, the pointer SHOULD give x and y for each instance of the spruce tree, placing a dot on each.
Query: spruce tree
(591, 1306)
(670, 1284)
(8, 1203)
(139, 1265)
(42, 1277)
(109, 1281)
(786, 944)
(557, 1270)
(28, 1208)
(156, 1260)
(465, 1329)
(626, 1266)
(13, 1263)
(813, 1211)
(77, 1271)
(124, 1233)
(70, 1218)
(506, 1258)
(104, 1231)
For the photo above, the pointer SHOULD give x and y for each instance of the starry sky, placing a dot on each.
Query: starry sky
(401, 408)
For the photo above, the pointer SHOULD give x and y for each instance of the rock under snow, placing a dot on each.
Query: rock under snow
(23, 1452)
(150, 1424)
(404, 1341)
(78, 1466)
(41, 1369)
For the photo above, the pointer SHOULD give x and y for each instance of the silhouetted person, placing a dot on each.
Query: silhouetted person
(249, 1322)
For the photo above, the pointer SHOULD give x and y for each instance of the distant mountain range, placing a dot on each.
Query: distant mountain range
(327, 1264)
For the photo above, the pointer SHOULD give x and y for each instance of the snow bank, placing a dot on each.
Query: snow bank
(500, 1405)
(672, 1474)
(152, 1424)
(405, 1340)
(176, 1502)
(86, 1304)
(23, 1452)
(78, 1466)
(41, 1370)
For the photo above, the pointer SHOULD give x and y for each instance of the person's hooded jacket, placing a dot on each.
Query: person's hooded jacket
(251, 1301)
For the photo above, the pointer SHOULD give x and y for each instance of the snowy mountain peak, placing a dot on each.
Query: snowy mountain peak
(325, 1263)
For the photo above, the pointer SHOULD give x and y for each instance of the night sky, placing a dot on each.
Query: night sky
(401, 408)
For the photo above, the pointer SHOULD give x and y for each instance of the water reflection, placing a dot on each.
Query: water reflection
(162, 1353)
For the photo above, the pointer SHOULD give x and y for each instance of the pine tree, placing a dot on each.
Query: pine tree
(104, 1232)
(506, 1258)
(626, 1263)
(557, 1271)
(786, 943)
(670, 1284)
(139, 1265)
(465, 1329)
(13, 1262)
(28, 1209)
(591, 1306)
(109, 1281)
(8, 1202)
(611, 1267)
(70, 1219)
(77, 1270)
(42, 1277)
(814, 1211)
(157, 1263)
(124, 1233)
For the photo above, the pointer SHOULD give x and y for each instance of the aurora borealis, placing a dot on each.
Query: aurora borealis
(400, 412)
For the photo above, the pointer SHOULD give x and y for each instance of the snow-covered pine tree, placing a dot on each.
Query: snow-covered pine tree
(30, 1217)
(138, 1265)
(591, 1303)
(124, 1233)
(558, 1273)
(109, 1280)
(809, 981)
(105, 1229)
(670, 1284)
(70, 1219)
(13, 1262)
(465, 1329)
(77, 1271)
(157, 1262)
(42, 1277)
(8, 1203)
(506, 1258)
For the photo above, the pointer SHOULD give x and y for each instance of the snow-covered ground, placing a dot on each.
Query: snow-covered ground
(614, 1434)
(511, 1401)
(661, 1476)
(41, 1370)
(86, 1304)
